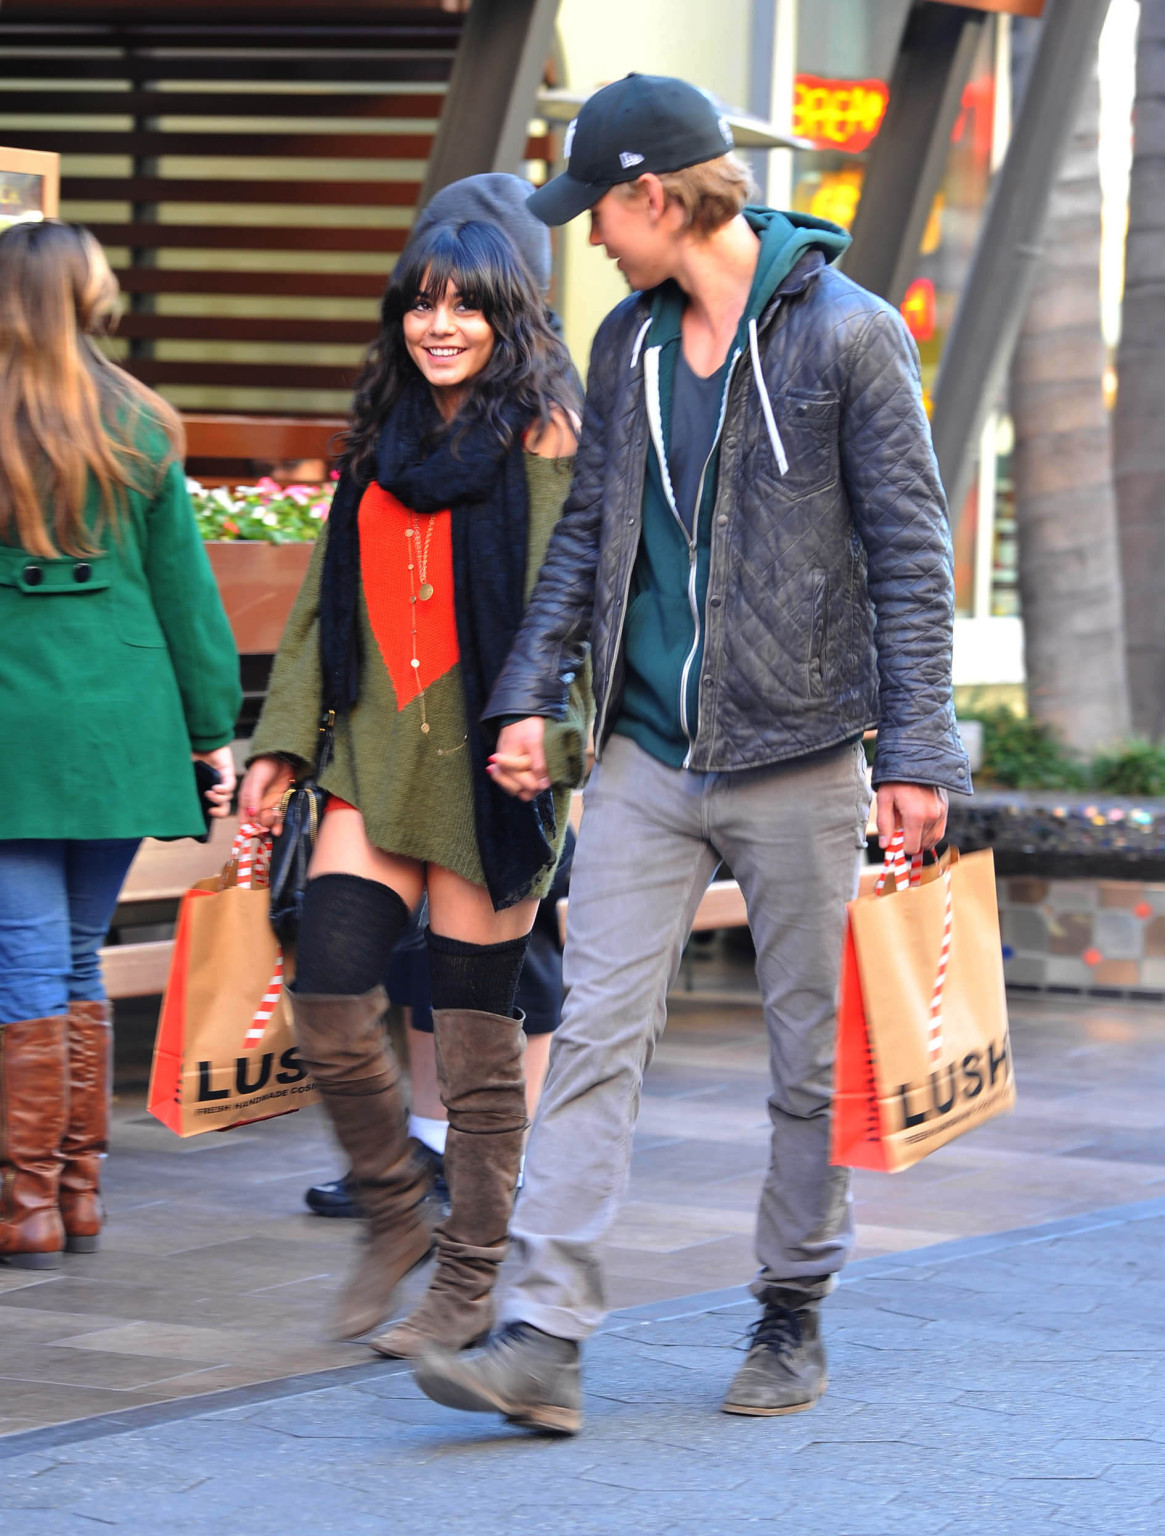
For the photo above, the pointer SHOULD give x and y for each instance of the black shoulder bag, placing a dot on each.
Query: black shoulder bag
(303, 807)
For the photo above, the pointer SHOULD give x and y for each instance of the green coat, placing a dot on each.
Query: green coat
(113, 668)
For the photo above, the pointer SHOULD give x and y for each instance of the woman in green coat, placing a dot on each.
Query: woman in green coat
(117, 667)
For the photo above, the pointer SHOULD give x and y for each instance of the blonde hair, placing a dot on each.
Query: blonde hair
(66, 411)
(710, 194)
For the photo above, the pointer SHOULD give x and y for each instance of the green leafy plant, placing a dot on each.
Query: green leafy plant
(1020, 753)
(1136, 768)
(268, 511)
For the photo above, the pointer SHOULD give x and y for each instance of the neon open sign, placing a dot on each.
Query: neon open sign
(838, 114)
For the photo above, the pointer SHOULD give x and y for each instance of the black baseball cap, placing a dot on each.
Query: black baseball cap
(640, 124)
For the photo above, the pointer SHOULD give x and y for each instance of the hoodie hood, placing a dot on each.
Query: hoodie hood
(784, 239)
(500, 199)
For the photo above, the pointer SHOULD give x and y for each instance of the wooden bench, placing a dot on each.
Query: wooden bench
(163, 871)
(160, 873)
(232, 449)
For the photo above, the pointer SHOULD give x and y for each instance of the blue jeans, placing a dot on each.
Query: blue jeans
(56, 902)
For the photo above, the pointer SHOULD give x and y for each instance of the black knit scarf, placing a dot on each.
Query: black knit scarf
(483, 484)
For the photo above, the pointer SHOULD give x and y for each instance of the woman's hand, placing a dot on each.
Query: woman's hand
(519, 764)
(223, 762)
(261, 797)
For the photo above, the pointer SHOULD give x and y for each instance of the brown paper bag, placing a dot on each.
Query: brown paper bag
(924, 1053)
(225, 1053)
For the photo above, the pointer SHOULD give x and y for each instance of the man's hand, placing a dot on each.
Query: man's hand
(519, 764)
(919, 809)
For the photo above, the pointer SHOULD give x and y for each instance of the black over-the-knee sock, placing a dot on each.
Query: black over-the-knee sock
(347, 931)
(482, 977)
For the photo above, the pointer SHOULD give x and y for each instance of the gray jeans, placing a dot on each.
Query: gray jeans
(650, 841)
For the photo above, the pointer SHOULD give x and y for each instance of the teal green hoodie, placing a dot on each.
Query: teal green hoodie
(664, 634)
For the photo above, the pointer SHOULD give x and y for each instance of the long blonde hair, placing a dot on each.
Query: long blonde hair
(66, 412)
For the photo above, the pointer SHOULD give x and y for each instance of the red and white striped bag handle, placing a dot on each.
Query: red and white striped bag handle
(895, 863)
(251, 852)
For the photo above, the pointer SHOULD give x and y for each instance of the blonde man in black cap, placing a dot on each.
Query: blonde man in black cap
(756, 549)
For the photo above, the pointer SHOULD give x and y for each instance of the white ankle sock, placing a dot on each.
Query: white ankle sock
(431, 1132)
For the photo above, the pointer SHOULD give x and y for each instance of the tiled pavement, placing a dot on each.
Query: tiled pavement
(1000, 1386)
(212, 1276)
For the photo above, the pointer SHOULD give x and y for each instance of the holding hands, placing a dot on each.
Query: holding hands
(519, 764)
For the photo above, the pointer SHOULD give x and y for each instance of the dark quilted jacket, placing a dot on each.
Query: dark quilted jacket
(830, 595)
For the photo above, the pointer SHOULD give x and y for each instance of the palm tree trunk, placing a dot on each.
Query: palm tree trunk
(1069, 566)
(1139, 424)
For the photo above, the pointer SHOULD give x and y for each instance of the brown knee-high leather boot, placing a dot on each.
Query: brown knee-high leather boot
(34, 1088)
(86, 1138)
(344, 1046)
(479, 1067)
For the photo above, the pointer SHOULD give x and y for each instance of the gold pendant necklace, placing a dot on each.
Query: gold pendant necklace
(419, 557)
(420, 552)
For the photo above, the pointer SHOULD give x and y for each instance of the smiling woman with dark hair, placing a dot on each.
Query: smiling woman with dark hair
(456, 466)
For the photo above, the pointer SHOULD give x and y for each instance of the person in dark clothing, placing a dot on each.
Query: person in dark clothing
(539, 999)
(757, 550)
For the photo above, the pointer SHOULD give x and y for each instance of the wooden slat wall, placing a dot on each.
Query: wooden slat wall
(251, 180)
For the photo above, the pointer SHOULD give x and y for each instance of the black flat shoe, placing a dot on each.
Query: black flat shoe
(436, 1164)
(339, 1198)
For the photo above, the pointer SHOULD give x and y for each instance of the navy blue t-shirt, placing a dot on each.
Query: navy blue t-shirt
(695, 415)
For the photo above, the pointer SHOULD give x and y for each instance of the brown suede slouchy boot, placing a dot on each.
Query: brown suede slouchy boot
(479, 1065)
(86, 1140)
(344, 1046)
(34, 1089)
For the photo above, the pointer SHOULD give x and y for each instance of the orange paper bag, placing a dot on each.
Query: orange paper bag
(225, 1053)
(923, 1051)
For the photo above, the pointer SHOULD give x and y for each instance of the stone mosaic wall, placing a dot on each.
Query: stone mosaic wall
(1083, 934)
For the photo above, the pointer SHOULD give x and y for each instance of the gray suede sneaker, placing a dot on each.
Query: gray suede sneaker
(530, 1377)
(785, 1368)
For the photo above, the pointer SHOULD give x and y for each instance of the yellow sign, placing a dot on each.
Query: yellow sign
(838, 114)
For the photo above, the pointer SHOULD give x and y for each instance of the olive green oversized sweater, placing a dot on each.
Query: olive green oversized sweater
(414, 802)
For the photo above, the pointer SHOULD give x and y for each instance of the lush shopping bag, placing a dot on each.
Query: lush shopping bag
(225, 1053)
(923, 1052)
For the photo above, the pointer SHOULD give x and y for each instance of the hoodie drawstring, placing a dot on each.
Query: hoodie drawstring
(643, 330)
(766, 404)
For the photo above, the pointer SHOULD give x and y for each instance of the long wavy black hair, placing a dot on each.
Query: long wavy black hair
(529, 371)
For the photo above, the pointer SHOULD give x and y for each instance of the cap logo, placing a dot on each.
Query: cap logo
(628, 158)
(726, 131)
(568, 140)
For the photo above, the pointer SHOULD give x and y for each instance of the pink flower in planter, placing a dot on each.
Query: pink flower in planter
(335, 475)
(269, 487)
(321, 509)
(229, 527)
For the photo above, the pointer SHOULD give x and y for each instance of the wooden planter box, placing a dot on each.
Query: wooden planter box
(259, 583)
